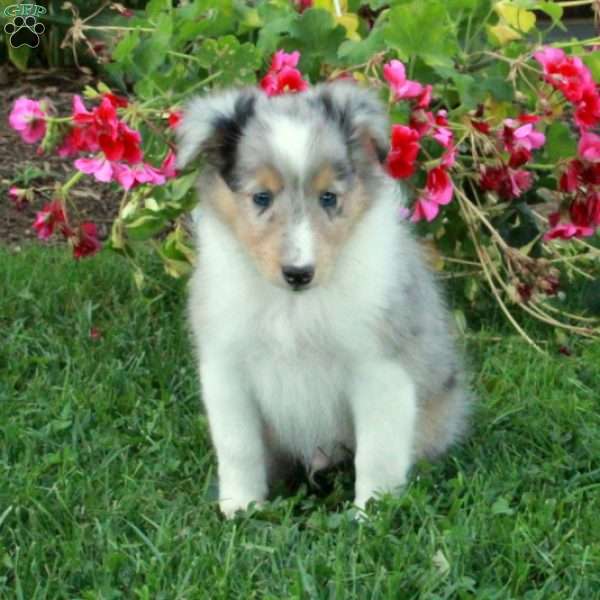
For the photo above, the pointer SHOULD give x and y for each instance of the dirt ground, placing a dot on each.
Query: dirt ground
(95, 202)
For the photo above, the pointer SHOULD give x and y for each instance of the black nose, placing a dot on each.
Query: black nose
(298, 277)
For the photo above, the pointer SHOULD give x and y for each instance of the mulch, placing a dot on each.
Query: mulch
(95, 202)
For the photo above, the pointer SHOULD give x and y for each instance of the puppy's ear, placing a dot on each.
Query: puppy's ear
(213, 125)
(361, 116)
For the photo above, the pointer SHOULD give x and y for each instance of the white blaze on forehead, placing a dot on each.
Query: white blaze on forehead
(291, 139)
(301, 244)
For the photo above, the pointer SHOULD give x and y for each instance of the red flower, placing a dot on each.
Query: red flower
(175, 119)
(302, 5)
(571, 178)
(565, 231)
(587, 113)
(51, 216)
(403, 153)
(283, 76)
(481, 126)
(421, 121)
(509, 183)
(586, 213)
(85, 241)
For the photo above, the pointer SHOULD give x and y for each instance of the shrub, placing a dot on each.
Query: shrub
(493, 130)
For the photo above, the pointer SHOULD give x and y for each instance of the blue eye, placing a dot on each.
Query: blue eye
(328, 200)
(263, 199)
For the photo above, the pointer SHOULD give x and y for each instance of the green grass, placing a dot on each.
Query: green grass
(107, 475)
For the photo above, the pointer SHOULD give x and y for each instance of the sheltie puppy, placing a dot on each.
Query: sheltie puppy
(320, 332)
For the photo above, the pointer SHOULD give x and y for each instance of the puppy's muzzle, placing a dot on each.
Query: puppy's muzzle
(298, 277)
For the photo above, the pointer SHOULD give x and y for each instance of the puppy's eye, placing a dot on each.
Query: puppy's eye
(263, 199)
(328, 200)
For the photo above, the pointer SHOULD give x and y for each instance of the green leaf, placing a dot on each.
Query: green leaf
(317, 36)
(19, 56)
(560, 142)
(152, 51)
(155, 7)
(422, 29)
(592, 60)
(553, 10)
(146, 224)
(238, 63)
(354, 53)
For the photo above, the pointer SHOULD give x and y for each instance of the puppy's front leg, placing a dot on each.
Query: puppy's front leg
(384, 407)
(236, 432)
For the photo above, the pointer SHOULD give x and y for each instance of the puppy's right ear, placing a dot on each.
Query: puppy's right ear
(213, 125)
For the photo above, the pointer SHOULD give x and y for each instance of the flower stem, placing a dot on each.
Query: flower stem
(64, 190)
(588, 42)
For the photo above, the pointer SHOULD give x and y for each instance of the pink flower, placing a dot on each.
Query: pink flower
(20, 196)
(405, 147)
(438, 192)
(51, 216)
(443, 134)
(85, 241)
(589, 147)
(395, 75)
(131, 176)
(99, 167)
(424, 99)
(566, 73)
(29, 119)
(168, 165)
(284, 59)
(516, 136)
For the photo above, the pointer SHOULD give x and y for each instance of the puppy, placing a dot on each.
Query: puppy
(319, 329)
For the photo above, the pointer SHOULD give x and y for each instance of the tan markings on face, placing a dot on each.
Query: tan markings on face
(260, 236)
(323, 180)
(269, 180)
(332, 233)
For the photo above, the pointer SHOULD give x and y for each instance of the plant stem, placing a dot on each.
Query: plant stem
(64, 190)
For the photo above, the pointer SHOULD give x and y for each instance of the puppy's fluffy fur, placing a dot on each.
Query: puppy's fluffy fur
(362, 358)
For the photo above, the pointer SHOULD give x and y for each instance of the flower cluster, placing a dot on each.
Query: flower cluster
(518, 137)
(113, 152)
(117, 147)
(579, 181)
(406, 142)
(569, 75)
(283, 76)
(83, 239)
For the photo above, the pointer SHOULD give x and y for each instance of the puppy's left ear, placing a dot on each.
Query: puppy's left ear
(361, 116)
(213, 125)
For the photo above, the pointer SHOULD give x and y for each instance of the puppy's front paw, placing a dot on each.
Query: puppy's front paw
(231, 506)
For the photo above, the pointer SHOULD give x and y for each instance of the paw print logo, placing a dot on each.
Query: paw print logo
(24, 32)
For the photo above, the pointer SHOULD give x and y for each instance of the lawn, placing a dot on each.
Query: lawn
(107, 477)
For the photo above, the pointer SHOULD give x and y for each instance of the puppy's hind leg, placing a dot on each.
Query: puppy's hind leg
(384, 408)
(236, 430)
